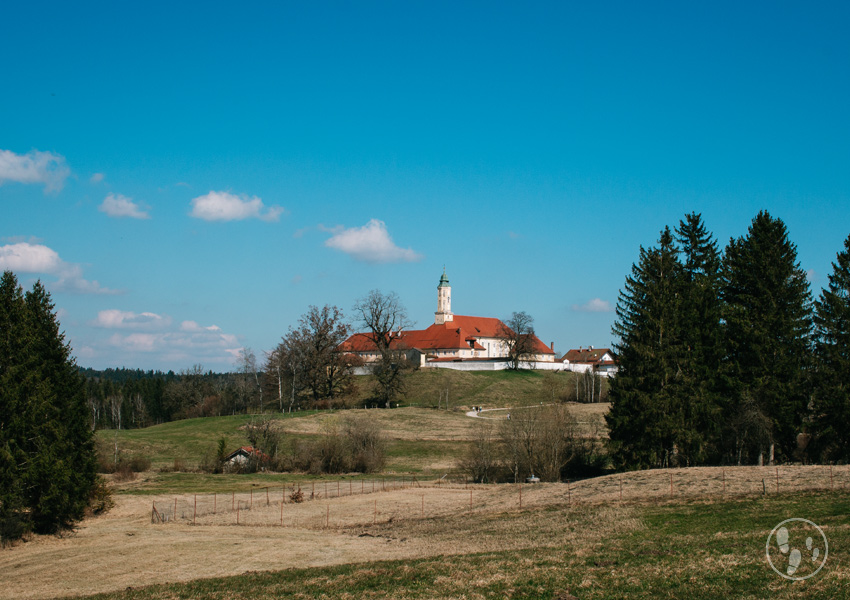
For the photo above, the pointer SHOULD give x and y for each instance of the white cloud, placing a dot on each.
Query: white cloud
(24, 257)
(34, 167)
(96, 178)
(120, 319)
(595, 305)
(371, 243)
(189, 343)
(224, 206)
(116, 205)
(193, 327)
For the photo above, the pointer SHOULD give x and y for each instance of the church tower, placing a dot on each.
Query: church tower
(444, 301)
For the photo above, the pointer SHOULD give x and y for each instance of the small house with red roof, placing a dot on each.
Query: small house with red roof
(602, 361)
(244, 454)
(477, 342)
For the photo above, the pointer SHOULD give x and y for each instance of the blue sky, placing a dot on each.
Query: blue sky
(187, 178)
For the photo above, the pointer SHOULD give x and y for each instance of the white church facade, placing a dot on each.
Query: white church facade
(456, 341)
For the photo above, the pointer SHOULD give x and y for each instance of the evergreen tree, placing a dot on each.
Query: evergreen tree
(832, 351)
(47, 461)
(767, 314)
(698, 400)
(643, 424)
(13, 340)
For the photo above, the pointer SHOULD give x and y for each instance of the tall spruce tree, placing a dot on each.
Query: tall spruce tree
(643, 422)
(832, 352)
(767, 314)
(46, 450)
(698, 398)
(13, 431)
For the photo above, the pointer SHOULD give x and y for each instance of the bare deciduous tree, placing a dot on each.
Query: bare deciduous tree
(518, 339)
(482, 460)
(249, 380)
(312, 357)
(385, 318)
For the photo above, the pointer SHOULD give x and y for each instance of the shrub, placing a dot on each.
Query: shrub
(123, 473)
(100, 500)
(139, 464)
(544, 442)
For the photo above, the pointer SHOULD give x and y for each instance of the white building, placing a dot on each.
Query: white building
(454, 341)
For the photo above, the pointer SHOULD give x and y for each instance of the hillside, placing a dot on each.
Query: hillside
(421, 441)
(707, 540)
(422, 438)
(696, 533)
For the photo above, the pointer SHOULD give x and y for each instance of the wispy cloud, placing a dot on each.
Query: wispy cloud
(118, 206)
(96, 178)
(24, 257)
(224, 206)
(189, 342)
(371, 243)
(121, 319)
(34, 167)
(595, 305)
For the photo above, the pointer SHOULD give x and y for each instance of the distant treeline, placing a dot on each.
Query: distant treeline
(132, 398)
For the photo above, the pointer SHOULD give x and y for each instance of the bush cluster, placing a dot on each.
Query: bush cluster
(542, 442)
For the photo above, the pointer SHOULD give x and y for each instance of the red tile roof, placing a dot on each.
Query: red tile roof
(586, 355)
(451, 335)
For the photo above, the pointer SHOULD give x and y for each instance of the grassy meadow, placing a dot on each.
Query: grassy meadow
(683, 549)
(683, 533)
(421, 439)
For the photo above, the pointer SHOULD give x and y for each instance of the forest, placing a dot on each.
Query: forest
(725, 357)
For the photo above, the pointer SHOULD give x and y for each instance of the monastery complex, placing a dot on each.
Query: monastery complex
(464, 343)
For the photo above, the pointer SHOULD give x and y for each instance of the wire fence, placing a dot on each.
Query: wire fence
(356, 503)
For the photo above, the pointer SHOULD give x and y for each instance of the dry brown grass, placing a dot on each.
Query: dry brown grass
(123, 548)
(427, 424)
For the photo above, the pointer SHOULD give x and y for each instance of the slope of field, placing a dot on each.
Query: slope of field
(421, 440)
(184, 443)
(705, 537)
